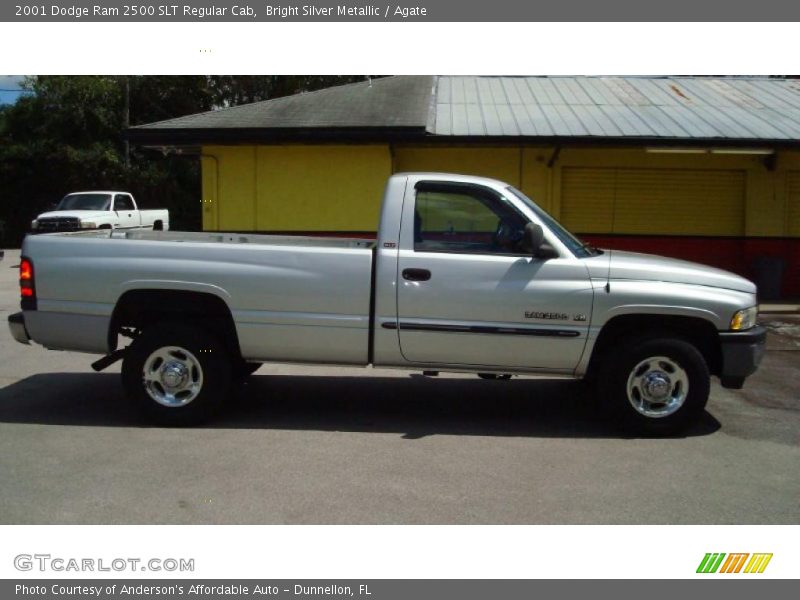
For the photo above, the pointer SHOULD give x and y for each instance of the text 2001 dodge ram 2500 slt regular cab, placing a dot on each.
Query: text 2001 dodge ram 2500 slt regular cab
(466, 274)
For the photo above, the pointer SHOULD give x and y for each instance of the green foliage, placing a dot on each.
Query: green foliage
(68, 135)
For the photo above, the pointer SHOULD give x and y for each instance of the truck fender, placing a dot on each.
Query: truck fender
(172, 285)
(656, 309)
(166, 286)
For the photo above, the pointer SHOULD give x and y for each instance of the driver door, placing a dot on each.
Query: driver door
(124, 207)
(469, 293)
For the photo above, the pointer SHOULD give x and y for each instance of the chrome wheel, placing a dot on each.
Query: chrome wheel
(657, 387)
(172, 376)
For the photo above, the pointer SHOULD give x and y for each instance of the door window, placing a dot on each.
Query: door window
(466, 219)
(123, 202)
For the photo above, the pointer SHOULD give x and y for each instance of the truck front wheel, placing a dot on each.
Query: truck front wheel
(656, 386)
(176, 375)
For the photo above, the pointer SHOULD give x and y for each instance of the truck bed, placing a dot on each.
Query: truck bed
(226, 238)
(291, 297)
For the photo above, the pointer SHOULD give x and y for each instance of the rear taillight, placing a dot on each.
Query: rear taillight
(27, 289)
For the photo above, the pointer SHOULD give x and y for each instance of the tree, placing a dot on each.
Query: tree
(68, 135)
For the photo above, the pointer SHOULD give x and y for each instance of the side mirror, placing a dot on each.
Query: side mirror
(534, 236)
(534, 241)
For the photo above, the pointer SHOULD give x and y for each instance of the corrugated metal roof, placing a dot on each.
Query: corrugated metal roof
(391, 102)
(691, 108)
(667, 110)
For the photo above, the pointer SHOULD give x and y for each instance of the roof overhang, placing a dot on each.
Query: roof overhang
(249, 136)
(190, 141)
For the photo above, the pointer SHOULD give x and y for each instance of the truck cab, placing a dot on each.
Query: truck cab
(468, 273)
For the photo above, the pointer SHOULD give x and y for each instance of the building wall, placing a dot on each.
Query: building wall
(293, 188)
(735, 211)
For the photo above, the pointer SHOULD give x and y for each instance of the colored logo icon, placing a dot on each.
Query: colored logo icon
(717, 562)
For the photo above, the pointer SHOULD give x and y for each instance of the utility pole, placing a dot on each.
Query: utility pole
(126, 120)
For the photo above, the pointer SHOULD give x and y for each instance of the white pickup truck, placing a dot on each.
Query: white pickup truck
(99, 210)
(467, 274)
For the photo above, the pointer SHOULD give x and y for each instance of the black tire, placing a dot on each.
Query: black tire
(495, 376)
(632, 365)
(211, 377)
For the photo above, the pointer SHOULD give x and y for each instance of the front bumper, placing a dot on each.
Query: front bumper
(16, 323)
(742, 352)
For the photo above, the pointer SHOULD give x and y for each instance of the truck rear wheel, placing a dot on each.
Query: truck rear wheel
(658, 385)
(176, 375)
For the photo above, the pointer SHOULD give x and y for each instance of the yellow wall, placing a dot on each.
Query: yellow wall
(500, 163)
(209, 169)
(338, 188)
(763, 215)
(294, 188)
(236, 179)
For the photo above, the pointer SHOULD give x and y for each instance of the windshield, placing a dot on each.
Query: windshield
(85, 202)
(575, 246)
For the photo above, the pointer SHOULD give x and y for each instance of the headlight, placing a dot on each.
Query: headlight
(744, 319)
(35, 224)
(88, 225)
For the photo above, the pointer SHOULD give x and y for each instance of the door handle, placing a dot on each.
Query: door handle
(416, 274)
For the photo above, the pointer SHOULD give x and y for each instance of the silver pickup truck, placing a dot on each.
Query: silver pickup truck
(467, 274)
